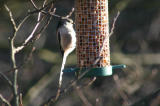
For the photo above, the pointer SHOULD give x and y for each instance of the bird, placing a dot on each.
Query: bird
(67, 41)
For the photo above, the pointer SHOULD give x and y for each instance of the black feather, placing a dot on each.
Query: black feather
(59, 41)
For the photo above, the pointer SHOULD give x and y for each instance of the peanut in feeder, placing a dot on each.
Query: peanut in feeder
(92, 30)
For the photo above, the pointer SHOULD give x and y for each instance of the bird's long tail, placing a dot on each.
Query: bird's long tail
(62, 67)
(60, 76)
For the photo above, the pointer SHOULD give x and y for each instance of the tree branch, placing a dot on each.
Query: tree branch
(82, 96)
(7, 79)
(4, 100)
(15, 50)
(11, 17)
(113, 25)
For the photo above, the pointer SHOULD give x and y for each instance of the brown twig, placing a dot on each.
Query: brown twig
(49, 12)
(20, 99)
(113, 25)
(91, 81)
(97, 102)
(69, 15)
(11, 17)
(40, 10)
(4, 100)
(105, 38)
(82, 96)
(23, 63)
(7, 79)
(122, 94)
(34, 5)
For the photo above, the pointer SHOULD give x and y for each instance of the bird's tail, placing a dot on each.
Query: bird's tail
(62, 68)
(60, 76)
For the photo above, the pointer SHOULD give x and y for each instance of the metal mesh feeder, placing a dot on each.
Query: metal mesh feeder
(92, 29)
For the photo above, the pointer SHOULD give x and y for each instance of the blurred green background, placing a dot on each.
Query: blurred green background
(135, 42)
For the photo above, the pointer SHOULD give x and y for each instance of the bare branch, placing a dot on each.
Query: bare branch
(34, 5)
(113, 25)
(47, 23)
(13, 52)
(22, 22)
(44, 7)
(30, 36)
(91, 82)
(21, 102)
(122, 94)
(82, 97)
(104, 41)
(4, 100)
(31, 41)
(47, 12)
(44, 3)
(97, 102)
(6, 78)
(11, 17)
(69, 15)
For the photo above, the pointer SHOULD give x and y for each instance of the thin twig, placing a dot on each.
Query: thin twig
(7, 79)
(43, 28)
(69, 15)
(22, 22)
(47, 12)
(106, 37)
(20, 99)
(44, 7)
(45, 2)
(82, 97)
(4, 100)
(24, 61)
(122, 94)
(34, 5)
(113, 25)
(11, 17)
(97, 102)
(91, 82)
(29, 38)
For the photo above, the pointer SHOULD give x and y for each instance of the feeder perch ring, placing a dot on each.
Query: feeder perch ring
(103, 71)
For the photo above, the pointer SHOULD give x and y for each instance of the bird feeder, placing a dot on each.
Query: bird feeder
(92, 31)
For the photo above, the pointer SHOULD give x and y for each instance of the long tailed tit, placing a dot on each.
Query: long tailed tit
(67, 41)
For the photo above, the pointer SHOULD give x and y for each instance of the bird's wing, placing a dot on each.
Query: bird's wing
(59, 41)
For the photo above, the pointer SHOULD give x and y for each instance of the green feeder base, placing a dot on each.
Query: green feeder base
(103, 71)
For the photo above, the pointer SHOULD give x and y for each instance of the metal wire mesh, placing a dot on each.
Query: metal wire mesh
(92, 26)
